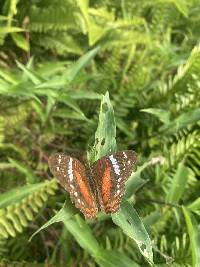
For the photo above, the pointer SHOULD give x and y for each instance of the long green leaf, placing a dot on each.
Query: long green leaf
(105, 135)
(195, 206)
(33, 76)
(21, 41)
(4, 30)
(80, 64)
(194, 234)
(179, 183)
(85, 238)
(184, 120)
(131, 224)
(110, 258)
(19, 193)
(162, 115)
(65, 213)
(83, 234)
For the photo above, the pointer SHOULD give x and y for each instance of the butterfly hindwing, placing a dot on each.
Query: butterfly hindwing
(111, 173)
(72, 175)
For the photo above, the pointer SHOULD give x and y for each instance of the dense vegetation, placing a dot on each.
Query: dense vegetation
(61, 63)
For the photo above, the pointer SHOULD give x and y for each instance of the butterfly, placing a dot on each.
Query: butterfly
(96, 187)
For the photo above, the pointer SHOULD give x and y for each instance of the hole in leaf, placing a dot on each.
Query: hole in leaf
(103, 141)
(128, 221)
(104, 107)
(96, 141)
(143, 247)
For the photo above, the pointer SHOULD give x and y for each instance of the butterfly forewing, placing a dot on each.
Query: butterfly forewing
(111, 173)
(72, 175)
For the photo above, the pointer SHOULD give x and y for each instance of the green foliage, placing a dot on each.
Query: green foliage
(18, 205)
(57, 61)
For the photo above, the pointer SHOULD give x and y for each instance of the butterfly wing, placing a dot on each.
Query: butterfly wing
(111, 173)
(72, 175)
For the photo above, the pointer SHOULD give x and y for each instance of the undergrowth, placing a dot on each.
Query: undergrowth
(57, 59)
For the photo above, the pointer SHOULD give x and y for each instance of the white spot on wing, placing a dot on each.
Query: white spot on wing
(59, 159)
(116, 169)
(57, 168)
(115, 165)
(71, 177)
(70, 171)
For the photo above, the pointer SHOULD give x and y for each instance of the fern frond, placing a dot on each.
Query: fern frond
(17, 207)
(13, 117)
(178, 249)
(53, 17)
(186, 84)
(61, 42)
(184, 148)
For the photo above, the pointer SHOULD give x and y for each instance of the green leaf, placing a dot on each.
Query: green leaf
(84, 237)
(184, 120)
(83, 234)
(105, 135)
(95, 32)
(74, 69)
(161, 114)
(72, 104)
(110, 258)
(131, 224)
(8, 77)
(34, 77)
(65, 213)
(194, 234)
(179, 182)
(20, 41)
(69, 114)
(5, 30)
(77, 227)
(195, 206)
(182, 6)
(17, 194)
(83, 94)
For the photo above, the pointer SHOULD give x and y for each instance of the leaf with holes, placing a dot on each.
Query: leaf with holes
(105, 136)
(131, 224)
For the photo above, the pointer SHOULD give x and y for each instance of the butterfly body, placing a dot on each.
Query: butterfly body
(96, 187)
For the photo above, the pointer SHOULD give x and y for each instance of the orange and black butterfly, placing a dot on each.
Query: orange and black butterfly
(96, 187)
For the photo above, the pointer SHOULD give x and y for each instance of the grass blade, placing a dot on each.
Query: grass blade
(194, 234)
(179, 183)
